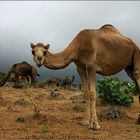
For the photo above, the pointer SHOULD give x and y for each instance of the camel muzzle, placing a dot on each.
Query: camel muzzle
(39, 65)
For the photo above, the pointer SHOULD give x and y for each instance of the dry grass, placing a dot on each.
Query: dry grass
(58, 119)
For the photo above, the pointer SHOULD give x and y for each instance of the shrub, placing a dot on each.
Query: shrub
(2, 75)
(40, 84)
(114, 91)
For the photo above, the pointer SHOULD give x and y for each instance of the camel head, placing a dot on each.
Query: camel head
(39, 52)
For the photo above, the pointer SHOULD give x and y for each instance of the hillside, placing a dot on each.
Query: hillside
(31, 114)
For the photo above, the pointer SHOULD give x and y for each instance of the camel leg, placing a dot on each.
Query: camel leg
(131, 74)
(17, 79)
(83, 76)
(33, 79)
(20, 79)
(137, 77)
(29, 79)
(92, 83)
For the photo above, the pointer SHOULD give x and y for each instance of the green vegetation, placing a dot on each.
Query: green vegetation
(45, 128)
(2, 74)
(41, 84)
(116, 92)
(21, 85)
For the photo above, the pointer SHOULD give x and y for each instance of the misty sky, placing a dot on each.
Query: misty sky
(57, 23)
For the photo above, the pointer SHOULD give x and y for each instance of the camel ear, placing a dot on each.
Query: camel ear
(47, 46)
(32, 45)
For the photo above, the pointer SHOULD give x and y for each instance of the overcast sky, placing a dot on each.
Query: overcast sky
(57, 23)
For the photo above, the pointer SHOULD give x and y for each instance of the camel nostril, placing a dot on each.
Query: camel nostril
(39, 58)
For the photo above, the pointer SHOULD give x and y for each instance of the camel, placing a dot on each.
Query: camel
(105, 51)
(21, 79)
(54, 82)
(67, 82)
(21, 70)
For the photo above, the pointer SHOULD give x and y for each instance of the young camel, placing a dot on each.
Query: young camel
(67, 82)
(105, 51)
(52, 82)
(21, 79)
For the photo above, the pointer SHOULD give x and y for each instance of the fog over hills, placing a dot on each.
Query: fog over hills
(57, 23)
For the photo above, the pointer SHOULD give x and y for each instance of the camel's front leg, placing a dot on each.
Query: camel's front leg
(83, 76)
(91, 76)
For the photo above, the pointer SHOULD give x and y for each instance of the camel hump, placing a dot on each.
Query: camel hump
(14, 65)
(109, 27)
(24, 62)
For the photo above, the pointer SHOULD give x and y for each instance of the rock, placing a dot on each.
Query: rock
(40, 97)
(21, 102)
(78, 108)
(55, 95)
(20, 119)
(9, 109)
(56, 89)
(111, 113)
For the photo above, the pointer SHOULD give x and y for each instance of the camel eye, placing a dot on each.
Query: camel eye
(44, 53)
(33, 52)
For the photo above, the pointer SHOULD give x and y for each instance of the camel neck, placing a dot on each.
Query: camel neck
(62, 59)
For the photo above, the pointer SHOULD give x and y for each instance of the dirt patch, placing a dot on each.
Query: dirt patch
(44, 118)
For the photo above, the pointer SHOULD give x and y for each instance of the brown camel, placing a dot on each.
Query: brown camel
(105, 51)
(54, 82)
(20, 70)
(67, 82)
(21, 79)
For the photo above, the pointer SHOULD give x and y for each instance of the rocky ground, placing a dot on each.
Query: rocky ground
(44, 113)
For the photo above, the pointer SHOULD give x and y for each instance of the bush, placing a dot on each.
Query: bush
(2, 75)
(114, 91)
(40, 84)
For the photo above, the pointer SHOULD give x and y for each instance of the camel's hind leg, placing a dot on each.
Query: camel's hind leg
(17, 79)
(83, 76)
(134, 76)
(29, 79)
(137, 77)
(91, 76)
(131, 75)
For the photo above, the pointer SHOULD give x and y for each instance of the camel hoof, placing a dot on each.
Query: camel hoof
(94, 126)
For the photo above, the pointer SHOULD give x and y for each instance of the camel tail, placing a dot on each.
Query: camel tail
(6, 78)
